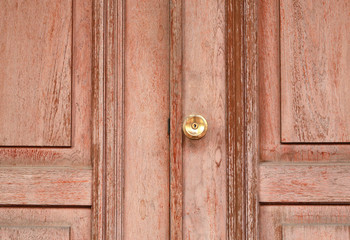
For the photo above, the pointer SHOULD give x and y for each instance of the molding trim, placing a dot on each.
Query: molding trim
(176, 173)
(242, 119)
(108, 118)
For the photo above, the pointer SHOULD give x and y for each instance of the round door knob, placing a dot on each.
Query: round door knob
(195, 127)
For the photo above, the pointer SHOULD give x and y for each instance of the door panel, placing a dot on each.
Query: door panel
(203, 92)
(36, 50)
(45, 103)
(315, 69)
(304, 222)
(45, 223)
(272, 147)
(303, 68)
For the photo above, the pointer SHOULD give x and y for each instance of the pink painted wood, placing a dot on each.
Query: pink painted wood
(204, 89)
(304, 222)
(308, 231)
(315, 70)
(45, 186)
(34, 223)
(36, 73)
(32, 233)
(271, 148)
(293, 183)
(303, 67)
(146, 162)
(78, 85)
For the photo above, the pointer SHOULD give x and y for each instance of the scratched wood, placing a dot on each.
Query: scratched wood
(300, 83)
(79, 87)
(322, 232)
(237, 222)
(146, 155)
(304, 222)
(33, 233)
(271, 148)
(315, 70)
(37, 59)
(176, 169)
(251, 117)
(204, 92)
(45, 186)
(45, 223)
(304, 183)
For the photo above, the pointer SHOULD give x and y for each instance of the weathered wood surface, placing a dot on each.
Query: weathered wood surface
(204, 92)
(242, 128)
(34, 233)
(176, 164)
(271, 148)
(80, 84)
(315, 70)
(327, 232)
(36, 223)
(252, 113)
(146, 156)
(99, 123)
(35, 73)
(304, 183)
(316, 222)
(45, 186)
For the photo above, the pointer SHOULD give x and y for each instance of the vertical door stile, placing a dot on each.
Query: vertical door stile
(176, 173)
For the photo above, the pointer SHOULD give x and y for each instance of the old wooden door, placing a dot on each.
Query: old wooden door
(304, 84)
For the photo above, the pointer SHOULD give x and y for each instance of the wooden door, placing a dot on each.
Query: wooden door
(303, 81)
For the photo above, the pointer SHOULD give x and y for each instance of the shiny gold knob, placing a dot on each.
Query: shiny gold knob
(195, 127)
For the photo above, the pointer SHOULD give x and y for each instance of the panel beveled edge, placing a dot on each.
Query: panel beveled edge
(18, 231)
(242, 119)
(108, 118)
(294, 227)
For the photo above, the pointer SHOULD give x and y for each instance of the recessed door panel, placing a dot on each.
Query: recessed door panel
(315, 71)
(36, 73)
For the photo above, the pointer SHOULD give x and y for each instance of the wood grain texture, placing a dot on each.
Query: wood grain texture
(99, 123)
(315, 70)
(45, 186)
(318, 222)
(43, 223)
(204, 92)
(146, 156)
(252, 113)
(304, 183)
(271, 148)
(79, 153)
(176, 165)
(34, 233)
(36, 73)
(236, 148)
(322, 232)
(120, 139)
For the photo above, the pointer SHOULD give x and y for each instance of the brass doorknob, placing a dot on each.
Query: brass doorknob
(195, 127)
